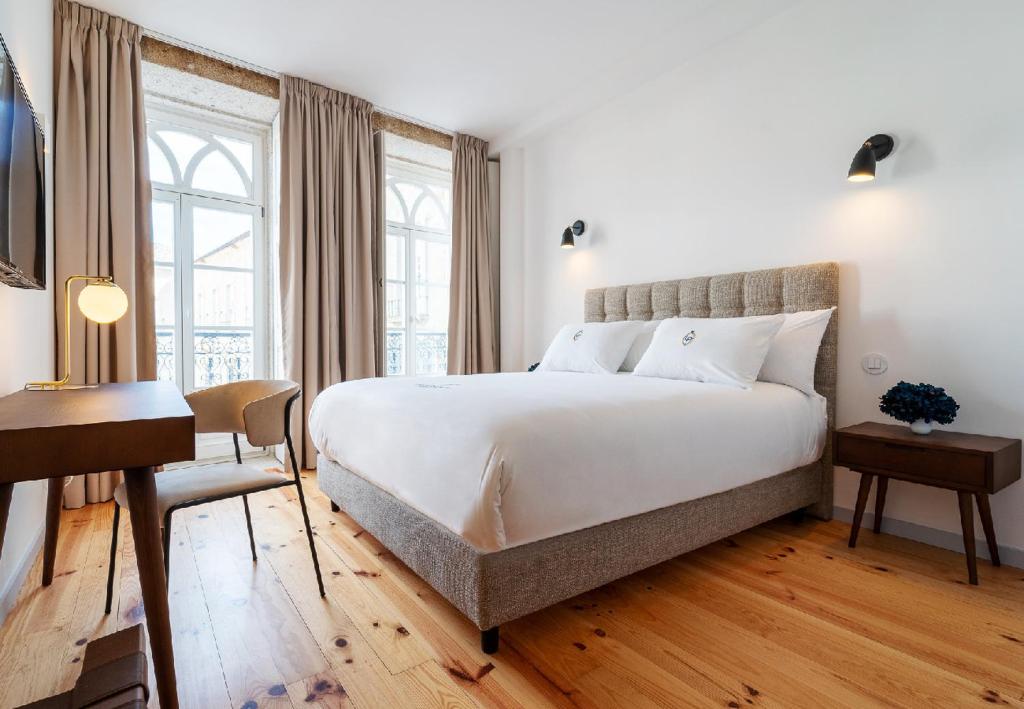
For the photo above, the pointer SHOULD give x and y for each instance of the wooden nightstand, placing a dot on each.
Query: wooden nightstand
(964, 462)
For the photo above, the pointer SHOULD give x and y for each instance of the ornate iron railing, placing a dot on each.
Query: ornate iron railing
(166, 368)
(220, 356)
(431, 353)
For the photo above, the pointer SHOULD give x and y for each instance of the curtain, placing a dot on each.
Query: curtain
(327, 243)
(472, 336)
(101, 201)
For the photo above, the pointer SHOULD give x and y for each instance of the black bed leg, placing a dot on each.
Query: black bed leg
(334, 506)
(489, 641)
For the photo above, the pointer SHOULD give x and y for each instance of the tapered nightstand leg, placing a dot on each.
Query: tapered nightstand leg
(967, 523)
(883, 487)
(985, 512)
(862, 502)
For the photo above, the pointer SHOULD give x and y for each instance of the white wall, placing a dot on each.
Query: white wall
(26, 316)
(737, 160)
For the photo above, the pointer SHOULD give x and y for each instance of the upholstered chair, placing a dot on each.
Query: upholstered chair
(259, 409)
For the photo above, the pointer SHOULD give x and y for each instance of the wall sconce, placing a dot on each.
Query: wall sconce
(875, 148)
(570, 234)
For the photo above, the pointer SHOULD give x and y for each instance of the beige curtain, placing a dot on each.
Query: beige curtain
(472, 335)
(101, 201)
(327, 243)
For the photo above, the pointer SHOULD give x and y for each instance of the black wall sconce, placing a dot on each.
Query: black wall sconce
(571, 232)
(875, 148)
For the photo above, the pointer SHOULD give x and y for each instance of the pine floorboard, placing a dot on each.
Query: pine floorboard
(782, 615)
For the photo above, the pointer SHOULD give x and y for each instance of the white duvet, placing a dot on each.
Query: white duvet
(506, 459)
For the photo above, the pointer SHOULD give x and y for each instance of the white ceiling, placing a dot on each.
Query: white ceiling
(494, 69)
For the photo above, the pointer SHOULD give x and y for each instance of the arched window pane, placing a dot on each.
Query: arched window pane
(394, 209)
(183, 146)
(159, 168)
(216, 174)
(410, 193)
(444, 195)
(242, 151)
(429, 214)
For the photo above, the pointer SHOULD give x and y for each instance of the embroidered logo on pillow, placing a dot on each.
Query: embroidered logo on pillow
(577, 336)
(689, 337)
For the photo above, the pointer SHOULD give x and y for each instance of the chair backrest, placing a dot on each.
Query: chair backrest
(254, 407)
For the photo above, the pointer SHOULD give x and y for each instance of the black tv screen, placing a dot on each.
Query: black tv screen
(22, 191)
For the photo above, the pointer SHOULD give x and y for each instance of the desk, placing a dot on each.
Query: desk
(132, 427)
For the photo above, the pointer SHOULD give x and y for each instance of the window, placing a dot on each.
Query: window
(208, 239)
(418, 264)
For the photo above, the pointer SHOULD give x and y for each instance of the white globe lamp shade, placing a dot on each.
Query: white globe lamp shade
(103, 302)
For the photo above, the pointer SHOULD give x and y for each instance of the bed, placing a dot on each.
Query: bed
(511, 492)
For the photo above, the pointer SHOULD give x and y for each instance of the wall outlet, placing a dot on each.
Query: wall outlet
(874, 363)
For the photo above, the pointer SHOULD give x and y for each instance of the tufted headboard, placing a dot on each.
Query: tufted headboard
(774, 290)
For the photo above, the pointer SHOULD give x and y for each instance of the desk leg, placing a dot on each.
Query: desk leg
(54, 501)
(141, 488)
(862, 502)
(985, 512)
(967, 523)
(6, 489)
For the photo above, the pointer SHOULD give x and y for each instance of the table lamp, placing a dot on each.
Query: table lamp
(101, 301)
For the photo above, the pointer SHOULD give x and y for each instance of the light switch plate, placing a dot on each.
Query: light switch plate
(874, 363)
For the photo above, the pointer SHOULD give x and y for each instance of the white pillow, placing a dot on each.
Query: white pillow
(794, 351)
(640, 344)
(596, 347)
(714, 350)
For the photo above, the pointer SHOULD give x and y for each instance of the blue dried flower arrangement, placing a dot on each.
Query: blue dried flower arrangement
(919, 405)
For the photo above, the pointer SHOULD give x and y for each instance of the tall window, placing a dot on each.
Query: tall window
(418, 256)
(208, 238)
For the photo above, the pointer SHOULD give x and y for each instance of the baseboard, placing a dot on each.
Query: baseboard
(1010, 556)
(9, 594)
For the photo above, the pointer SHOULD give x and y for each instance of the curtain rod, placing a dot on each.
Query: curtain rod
(176, 54)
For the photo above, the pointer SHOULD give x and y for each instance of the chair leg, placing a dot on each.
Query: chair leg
(309, 536)
(167, 547)
(248, 523)
(113, 558)
(302, 497)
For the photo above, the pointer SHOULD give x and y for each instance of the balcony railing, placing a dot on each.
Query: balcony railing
(431, 352)
(220, 356)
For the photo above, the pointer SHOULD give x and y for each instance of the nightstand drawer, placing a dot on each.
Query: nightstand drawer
(950, 467)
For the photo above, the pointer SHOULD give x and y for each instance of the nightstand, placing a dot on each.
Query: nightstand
(963, 462)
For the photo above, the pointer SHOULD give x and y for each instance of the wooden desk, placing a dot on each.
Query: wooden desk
(131, 427)
(963, 462)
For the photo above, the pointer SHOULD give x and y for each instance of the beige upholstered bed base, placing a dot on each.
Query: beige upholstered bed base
(494, 588)
(491, 589)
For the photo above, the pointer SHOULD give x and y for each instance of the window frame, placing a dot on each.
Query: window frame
(399, 170)
(163, 113)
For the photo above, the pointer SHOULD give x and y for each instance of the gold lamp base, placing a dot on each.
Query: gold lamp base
(102, 301)
(56, 386)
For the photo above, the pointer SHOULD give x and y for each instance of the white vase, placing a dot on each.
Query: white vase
(921, 427)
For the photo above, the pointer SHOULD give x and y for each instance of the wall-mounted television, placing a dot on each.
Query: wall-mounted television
(22, 184)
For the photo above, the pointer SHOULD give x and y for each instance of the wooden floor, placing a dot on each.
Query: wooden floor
(782, 616)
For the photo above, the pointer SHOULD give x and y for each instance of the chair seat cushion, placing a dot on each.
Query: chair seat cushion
(174, 487)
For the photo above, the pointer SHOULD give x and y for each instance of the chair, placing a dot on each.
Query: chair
(261, 409)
